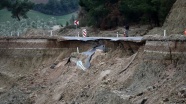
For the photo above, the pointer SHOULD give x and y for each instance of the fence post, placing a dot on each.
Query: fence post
(77, 50)
(18, 33)
(164, 33)
(51, 33)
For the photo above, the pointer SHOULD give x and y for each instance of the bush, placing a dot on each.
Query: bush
(12, 28)
(107, 14)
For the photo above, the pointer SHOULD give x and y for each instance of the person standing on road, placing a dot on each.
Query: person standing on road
(126, 30)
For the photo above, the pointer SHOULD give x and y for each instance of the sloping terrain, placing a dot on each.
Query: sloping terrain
(117, 77)
(39, 71)
(175, 22)
(151, 74)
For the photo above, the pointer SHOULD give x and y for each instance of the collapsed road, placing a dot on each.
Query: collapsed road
(150, 70)
(88, 55)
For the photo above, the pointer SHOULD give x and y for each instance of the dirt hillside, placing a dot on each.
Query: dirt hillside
(175, 22)
(153, 73)
(149, 75)
(116, 77)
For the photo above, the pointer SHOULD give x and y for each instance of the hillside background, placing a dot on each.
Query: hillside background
(39, 1)
(142, 16)
(176, 20)
(38, 19)
(56, 7)
(108, 14)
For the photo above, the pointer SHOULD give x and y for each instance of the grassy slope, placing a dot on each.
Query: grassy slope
(6, 16)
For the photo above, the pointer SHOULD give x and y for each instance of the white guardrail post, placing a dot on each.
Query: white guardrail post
(165, 33)
(77, 50)
(18, 33)
(51, 33)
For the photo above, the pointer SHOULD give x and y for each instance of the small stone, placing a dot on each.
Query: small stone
(143, 101)
(140, 94)
(182, 93)
(165, 100)
(149, 88)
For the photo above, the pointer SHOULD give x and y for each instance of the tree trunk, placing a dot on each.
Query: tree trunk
(17, 16)
(156, 19)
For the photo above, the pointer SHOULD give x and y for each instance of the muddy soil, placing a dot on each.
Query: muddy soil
(115, 77)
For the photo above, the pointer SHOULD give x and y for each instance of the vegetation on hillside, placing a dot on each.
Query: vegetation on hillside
(39, 1)
(36, 20)
(57, 7)
(61, 20)
(107, 14)
(18, 8)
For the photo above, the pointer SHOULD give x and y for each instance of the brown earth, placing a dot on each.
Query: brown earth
(117, 76)
(151, 74)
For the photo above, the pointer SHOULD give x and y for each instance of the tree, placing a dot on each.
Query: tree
(58, 7)
(72, 19)
(4, 4)
(148, 11)
(67, 23)
(103, 14)
(107, 14)
(18, 8)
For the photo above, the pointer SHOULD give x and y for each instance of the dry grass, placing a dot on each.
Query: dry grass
(173, 37)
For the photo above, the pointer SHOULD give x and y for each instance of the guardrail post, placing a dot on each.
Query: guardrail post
(18, 33)
(77, 50)
(51, 33)
(164, 33)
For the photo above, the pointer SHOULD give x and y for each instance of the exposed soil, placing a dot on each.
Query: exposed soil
(115, 77)
(152, 74)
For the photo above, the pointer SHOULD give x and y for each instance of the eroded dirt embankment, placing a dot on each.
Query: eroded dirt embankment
(127, 73)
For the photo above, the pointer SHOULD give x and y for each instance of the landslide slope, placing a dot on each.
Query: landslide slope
(149, 75)
(116, 77)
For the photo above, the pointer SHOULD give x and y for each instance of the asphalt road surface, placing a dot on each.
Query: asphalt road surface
(135, 39)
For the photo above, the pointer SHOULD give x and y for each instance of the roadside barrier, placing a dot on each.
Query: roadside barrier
(84, 32)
